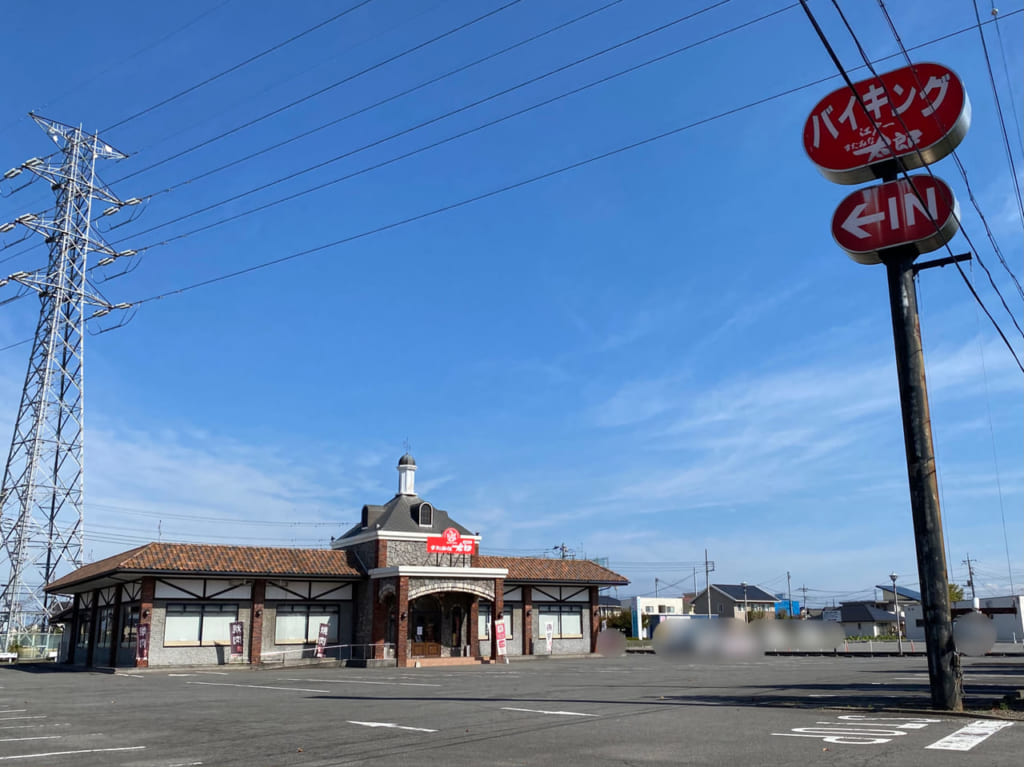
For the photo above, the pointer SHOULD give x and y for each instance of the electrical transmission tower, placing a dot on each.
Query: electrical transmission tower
(41, 519)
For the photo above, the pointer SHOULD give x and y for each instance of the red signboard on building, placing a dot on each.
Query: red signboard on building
(237, 638)
(893, 214)
(921, 113)
(142, 642)
(450, 542)
(321, 639)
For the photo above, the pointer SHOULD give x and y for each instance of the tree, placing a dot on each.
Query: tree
(622, 621)
(956, 592)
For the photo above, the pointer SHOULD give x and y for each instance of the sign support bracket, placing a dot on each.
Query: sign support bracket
(942, 262)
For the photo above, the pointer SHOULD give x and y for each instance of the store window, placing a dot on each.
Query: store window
(300, 623)
(566, 621)
(104, 627)
(484, 620)
(129, 624)
(199, 624)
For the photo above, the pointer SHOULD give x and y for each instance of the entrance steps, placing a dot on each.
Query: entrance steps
(457, 661)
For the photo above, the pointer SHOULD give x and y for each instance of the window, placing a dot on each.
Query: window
(195, 624)
(104, 627)
(648, 608)
(671, 609)
(426, 514)
(129, 624)
(300, 623)
(566, 621)
(484, 621)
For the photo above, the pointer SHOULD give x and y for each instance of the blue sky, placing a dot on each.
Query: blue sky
(650, 355)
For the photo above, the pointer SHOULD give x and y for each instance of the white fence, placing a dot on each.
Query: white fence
(307, 655)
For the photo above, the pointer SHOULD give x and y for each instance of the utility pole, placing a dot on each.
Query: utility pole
(943, 663)
(655, 587)
(41, 519)
(746, 616)
(708, 567)
(896, 598)
(970, 576)
(804, 603)
(789, 590)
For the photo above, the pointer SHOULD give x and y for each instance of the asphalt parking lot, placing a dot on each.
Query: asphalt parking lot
(635, 710)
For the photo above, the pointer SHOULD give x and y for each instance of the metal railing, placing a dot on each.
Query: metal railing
(308, 655)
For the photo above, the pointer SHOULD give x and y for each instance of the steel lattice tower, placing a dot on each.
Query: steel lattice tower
(41, 514)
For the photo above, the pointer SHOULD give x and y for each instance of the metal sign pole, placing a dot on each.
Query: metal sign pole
(943, 663)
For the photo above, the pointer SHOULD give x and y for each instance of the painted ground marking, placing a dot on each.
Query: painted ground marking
(554, 713)
(66, 753)
(968, 737)
(860, 730)
(360, 681)
(391, 725)
(256, 686)
(34, 737)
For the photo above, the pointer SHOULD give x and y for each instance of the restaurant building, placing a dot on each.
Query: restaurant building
(405, 585)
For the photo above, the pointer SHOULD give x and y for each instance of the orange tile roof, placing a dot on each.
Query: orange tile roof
(200, 558)
(529, 569)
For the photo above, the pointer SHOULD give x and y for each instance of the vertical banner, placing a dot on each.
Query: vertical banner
(321, 640)
(237, 640)
(500, 635)
(142, 642)
(549, 635)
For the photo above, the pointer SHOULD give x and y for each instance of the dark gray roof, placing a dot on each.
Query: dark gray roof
(401, 514)
(863, 612)
(406, 460)
(735, 592)
(904, 593)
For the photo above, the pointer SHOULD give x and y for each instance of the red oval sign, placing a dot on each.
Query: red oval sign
(889, 215)
(922, 113)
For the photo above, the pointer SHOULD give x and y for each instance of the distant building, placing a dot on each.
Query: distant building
(1005, 612)
(735, 601)
(656, 609)
(865, 619)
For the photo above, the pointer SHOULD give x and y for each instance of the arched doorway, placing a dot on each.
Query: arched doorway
(425, 636)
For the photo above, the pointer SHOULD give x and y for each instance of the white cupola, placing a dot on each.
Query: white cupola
(407, 475)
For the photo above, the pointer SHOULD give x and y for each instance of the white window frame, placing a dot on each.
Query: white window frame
(309, 610)
(211, 609)
(557, 611)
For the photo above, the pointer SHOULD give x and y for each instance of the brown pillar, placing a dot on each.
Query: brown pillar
(259, 597)
(402, 606)
(146, 599)
(527, 621)
(499, 608)
(382, 553)
(90, 650)
(595, 617)
(115, 627)
(76, 602)
(474, 627)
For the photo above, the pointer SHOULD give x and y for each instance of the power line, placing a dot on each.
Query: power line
(433, 145)
(120, 62)
(963, 172)
(846, 78)
(999, 111)
(238, 66)
(479, 197)
(323, 90)
(382, 102)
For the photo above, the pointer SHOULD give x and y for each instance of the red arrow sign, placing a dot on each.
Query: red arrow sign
(889, 215)
(921, 113)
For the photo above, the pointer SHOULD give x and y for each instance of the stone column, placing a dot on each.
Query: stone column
(499, 608)
(146, 599)
(259, 597)
(402, 607)
(527, 620)
(595, 617)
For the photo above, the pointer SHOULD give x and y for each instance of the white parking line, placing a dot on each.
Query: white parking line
(968, 737)
(66, 753)
(10, 718)
(34, 737)
(391, 726)
(555, 713)
(257, 686)
(361, 681)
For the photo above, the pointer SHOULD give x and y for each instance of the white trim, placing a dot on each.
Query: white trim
(438, 572)
(386, 535)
